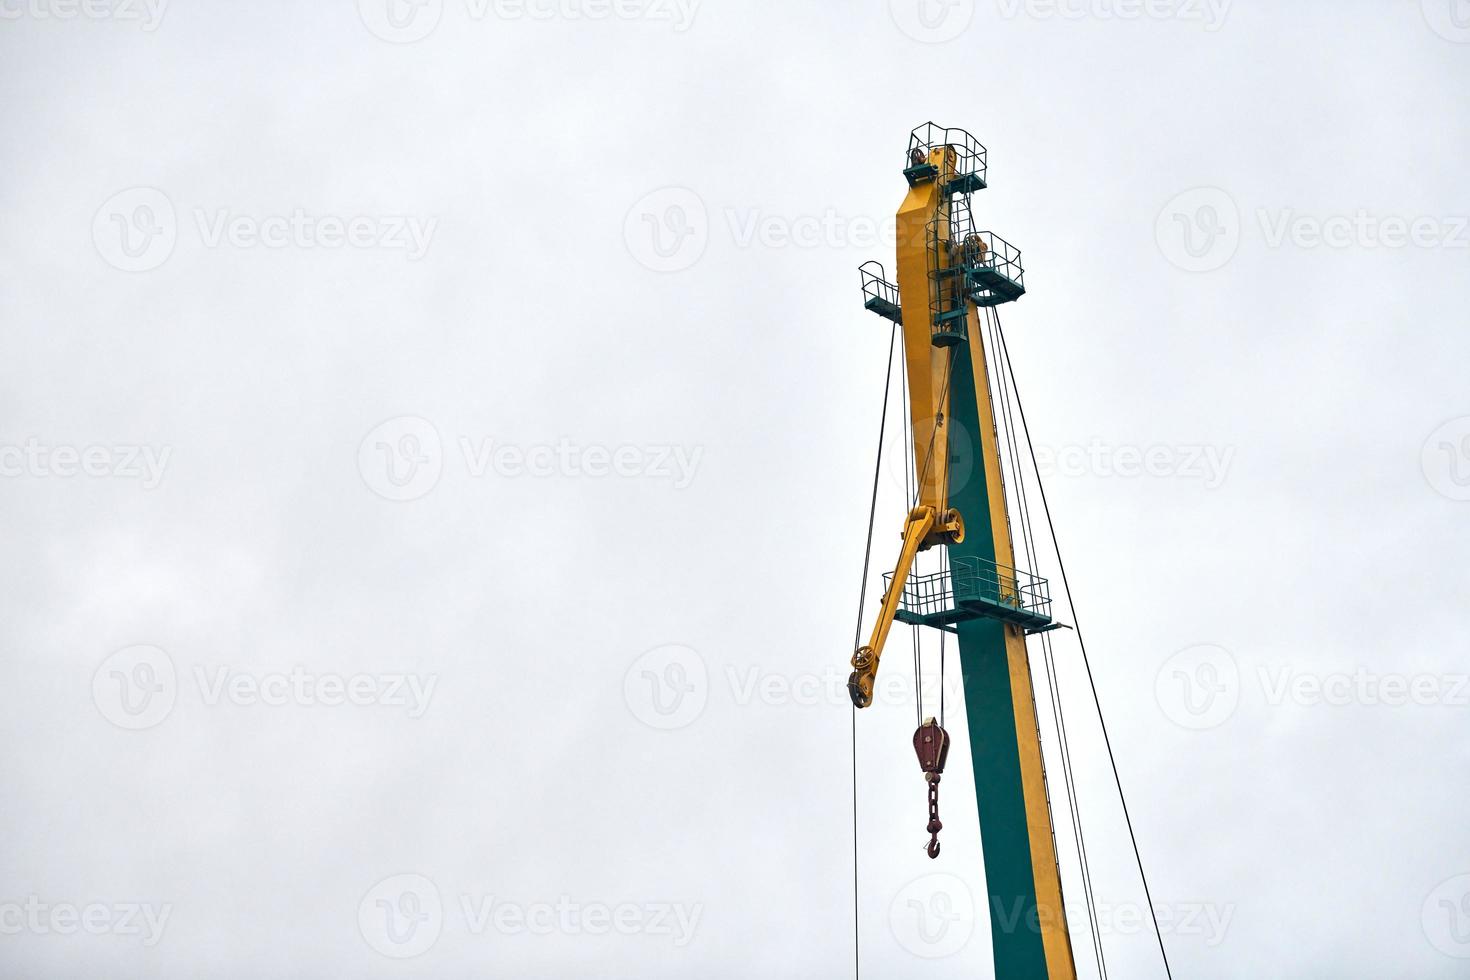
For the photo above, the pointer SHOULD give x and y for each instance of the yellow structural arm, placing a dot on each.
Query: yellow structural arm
(922, 524)
(932, 521)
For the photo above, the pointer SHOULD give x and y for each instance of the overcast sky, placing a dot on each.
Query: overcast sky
(436, 439)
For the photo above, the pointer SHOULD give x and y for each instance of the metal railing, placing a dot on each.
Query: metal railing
(970, 581)
(994, 267)
(986, 249)
(880, 295)
(969, 155)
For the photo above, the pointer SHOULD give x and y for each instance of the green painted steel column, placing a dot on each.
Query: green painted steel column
(990, 706)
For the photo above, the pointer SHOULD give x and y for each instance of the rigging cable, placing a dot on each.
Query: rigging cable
(1074, 810)
(858, 638)
(1092, 683)
(909, 478)
(915, 492)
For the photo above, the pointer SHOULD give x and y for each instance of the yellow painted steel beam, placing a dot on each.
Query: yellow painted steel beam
(1056, 939)
(926, 364)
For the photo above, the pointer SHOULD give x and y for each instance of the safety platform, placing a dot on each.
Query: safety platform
(880, 295)
(993, 268)
(966, 172)
(973, 588)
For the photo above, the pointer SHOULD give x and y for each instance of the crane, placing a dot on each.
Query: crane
(950, 278)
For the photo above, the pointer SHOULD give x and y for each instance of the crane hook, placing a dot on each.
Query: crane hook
(931, 745)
